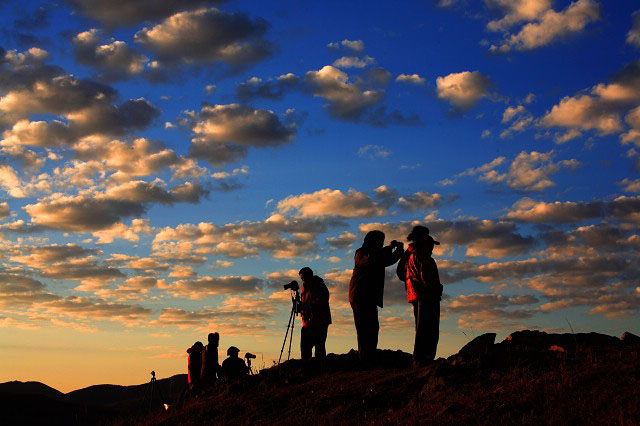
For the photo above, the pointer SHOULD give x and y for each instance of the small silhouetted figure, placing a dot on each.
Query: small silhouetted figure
(233, 368)
(194, 365)
(210, 365)
(424, 291)
(316, 314)
(366, 288)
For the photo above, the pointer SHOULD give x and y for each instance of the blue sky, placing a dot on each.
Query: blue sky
(165, 169)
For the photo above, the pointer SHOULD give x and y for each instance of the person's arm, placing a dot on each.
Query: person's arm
(435, 276)
(363, 258)
(389, 256)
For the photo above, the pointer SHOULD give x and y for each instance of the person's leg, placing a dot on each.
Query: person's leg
(321, 339)
(360, 328)
(306, 342)
(419, 352)
(433, 329)
(375, 329)
(370, 328)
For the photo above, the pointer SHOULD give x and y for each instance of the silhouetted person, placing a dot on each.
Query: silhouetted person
(233, 368)
(194, 363)
(424, 291)
(316, 314)
(366, 288)
(210, 365)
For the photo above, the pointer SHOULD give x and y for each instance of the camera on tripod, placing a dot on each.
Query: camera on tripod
(249, 355)
(296, 304)
(293, 286)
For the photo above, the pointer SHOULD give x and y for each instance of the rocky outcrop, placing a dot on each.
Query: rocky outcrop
(539, 340)
(630, 338)
(478, 347)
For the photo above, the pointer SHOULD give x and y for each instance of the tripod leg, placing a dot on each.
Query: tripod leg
(293, 322)
(286, 334)
(153, 385)
(162, 401)
(146, 392)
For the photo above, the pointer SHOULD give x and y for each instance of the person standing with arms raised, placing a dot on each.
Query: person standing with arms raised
(366, 288)
(424, 292)
(316, 314)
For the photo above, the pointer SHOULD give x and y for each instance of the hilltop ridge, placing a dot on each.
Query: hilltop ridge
(531, 377)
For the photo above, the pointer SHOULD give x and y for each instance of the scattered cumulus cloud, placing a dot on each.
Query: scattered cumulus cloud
(633, 36)
(222, 133)
(543, 24)
(207, 35)
(464, 89)
(373, 151)
(410, 79)
(354, 45)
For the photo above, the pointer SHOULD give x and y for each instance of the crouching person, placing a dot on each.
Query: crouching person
(233, 368)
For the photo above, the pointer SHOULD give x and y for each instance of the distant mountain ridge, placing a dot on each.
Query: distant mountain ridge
(31, 388)
(38, 403)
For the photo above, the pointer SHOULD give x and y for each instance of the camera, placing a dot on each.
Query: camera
(293, 285)
(249, 355)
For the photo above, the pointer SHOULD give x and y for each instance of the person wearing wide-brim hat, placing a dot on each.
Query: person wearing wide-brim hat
(424, 292)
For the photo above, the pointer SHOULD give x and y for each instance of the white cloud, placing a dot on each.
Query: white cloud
(207, 35)
(546, 24)
(373, 151)
(345, 100)
(410, 78)
(222, 132)
(355, 45)
(633, 36)
(353, 62)
(463, 89)
(511, 112)
(328, 202)
(115, 60)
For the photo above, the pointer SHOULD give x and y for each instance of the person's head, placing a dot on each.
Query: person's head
(373, 240)
(233, 352)
(420, 237)
(197, 346)
(213, 338)
(305, 274)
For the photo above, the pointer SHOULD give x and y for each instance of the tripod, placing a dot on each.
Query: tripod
(151, 387)
(295, 301)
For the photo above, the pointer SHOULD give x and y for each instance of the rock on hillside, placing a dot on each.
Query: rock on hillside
(594, 379)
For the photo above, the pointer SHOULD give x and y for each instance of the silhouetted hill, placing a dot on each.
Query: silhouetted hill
(37, 403)
(113, 395)
(530, 378)
(30, 388)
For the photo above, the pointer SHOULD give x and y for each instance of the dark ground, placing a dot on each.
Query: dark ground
(583, 379)
(531, 378)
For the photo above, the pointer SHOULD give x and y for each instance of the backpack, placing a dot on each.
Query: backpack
(401, 269)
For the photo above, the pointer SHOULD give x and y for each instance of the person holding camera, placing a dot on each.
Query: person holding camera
(424, 291)
(366, 288)
(316, 314)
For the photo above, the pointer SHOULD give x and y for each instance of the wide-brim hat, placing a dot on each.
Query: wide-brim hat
(232, 350)
(429, 238)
